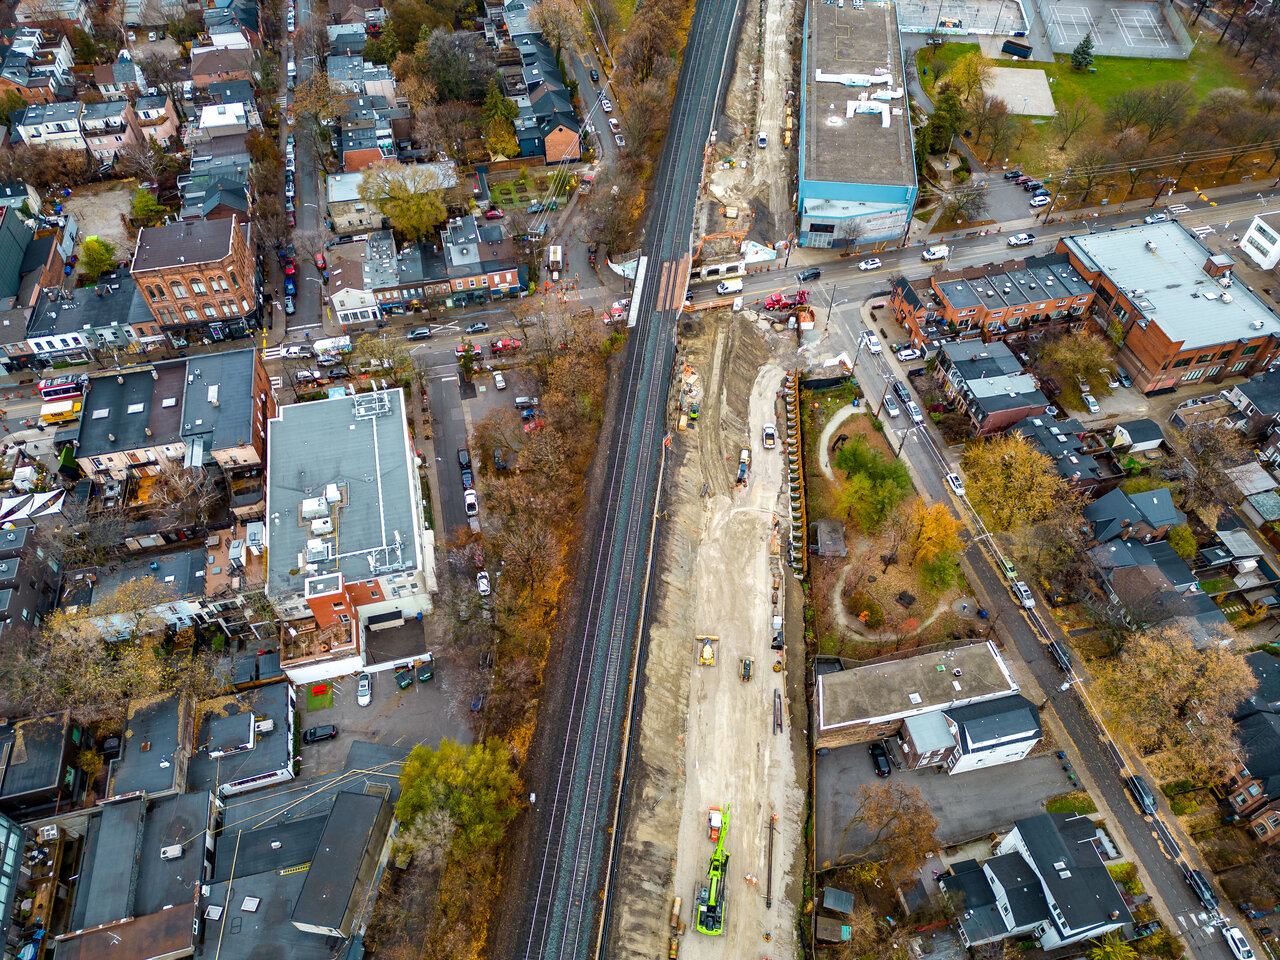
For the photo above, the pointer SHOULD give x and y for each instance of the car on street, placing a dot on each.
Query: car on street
(499, 382)
(1023, 594)
(319, 734)
(614, 125)
(1202, 889)
(480, 327)
(465, 348)
(809, 275)
(1147, 804)
(493, 213)
(769, 436)
(872, 342)
(1061, 655)
(464, 458)
(290, 267)
(872, 263)
(1156, 218)
(292, 218)
(288, 188)
(320, 261)
(364, 690)
(606, 106)
(471, 503)
(1039, 201)
(955, 483)
(1007, 568)
(907, 354)
(913, 411)
(419, 333)
(295, 350)
(762, 140)
(1237, 944)
(1012, 174)
(468, 481)
(290, 288)
(879, 759)
(1090, 403)
(1022, 239)
(289, 308)
(482, 583)
(595, 76)
(619, 139)
(891, 406)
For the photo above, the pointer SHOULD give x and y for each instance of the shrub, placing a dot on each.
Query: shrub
(1078, 801)
(865, 608)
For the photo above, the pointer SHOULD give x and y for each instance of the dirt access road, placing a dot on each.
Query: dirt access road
(705, 737)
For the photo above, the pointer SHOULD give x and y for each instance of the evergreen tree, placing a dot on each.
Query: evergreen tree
(1082, 55)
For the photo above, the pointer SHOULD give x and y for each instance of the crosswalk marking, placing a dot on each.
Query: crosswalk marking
(272, 353)
(277, 383)
(1179, 208)
(1203, 231)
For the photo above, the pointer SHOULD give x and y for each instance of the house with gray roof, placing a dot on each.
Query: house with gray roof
(986, 382)
(973, 736)
(1137, 436)
(1154, 586)
(1045, 880)
(1077, 454)
(1253, 790)
(1145, 516)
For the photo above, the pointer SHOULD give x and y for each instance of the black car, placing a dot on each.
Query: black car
(1031, 185)
(902, 390)
(319, 734)
(1142, 793)
(1061, 656)
(1012, 174)
(1202, 889)
(806, 276)
(879, 758)
(464, 458)
(595, 76)
(498, 461)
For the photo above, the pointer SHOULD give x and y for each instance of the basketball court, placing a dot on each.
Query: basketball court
(1125, 29)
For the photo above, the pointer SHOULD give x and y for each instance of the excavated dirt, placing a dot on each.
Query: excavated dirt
(706, 737)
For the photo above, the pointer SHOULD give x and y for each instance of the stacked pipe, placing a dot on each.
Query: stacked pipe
(795, 482)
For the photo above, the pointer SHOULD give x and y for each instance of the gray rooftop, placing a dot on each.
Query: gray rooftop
(185, 242)
(277, 846)
(60, 112)
(351, 459)
(264, 932)
(996, 721)
(1160, 266)
(105, 891)
(1082, 889)
(181, 574)
(352, 828)
(147, 761)
(181, 819)
(219, 728)
(33, 755)
(1031, 282)
(846, 40)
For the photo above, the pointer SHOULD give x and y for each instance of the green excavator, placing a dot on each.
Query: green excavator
(711, 898)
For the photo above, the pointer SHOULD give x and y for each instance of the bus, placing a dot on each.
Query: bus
(61, 411)
(61, 388)
(332, 347)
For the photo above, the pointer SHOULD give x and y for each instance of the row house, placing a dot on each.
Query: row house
(1081, 457)
(218, 120)
(200, 278)
(64, 16)
(1007, 301)
(1177, 311)
(30, 578)
(220, 64)
(986, 382)
(124, 78)
(369, 12)
(355, 75)
(365, 133)
(157, 118)
(227, 36)
(546, 125)
(110, 127)
(348, 39)
(75, 326)
(244, 14)
(1253, 790)
(54, 125)
(38, 65)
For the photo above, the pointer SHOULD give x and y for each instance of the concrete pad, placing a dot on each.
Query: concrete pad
(1025, 91)
(961, 803)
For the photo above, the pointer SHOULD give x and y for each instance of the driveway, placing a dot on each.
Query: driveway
(962, 803)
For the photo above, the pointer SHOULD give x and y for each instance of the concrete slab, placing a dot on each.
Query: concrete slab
(961, 803)
(1026, 92)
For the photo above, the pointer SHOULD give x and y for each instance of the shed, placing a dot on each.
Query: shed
(833, 898)
(832, 931)
(826, 538)
(1262, 508)
(1251, 478)
(1137, 436)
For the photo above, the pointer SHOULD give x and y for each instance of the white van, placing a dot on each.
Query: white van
(729, 286)
(293, 70)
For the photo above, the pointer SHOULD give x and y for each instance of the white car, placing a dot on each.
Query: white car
(364, 690)
(1237, 944)
(1040, 201)
(914, 412)
(1023, 593)
(908, 353)
(1021, 239)
(471, 503)
(499, 382)
(871, 264)
(770, 436)
(762, 140)
(1161, 218)
(606, 106)
(872, 342)
(891, 406)
(614, 125)
(955, 483)
(1090, 403)
(619, 139)
(482, 583)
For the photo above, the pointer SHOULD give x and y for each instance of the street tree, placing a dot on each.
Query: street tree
(1176, 694)
(1011, 484)
(1088, 169)
(1209, 451)
(476, 785)
(316, 103)
(411, 196)
(891, 825)
(97, 256)
(384, 350)
(1072, 117)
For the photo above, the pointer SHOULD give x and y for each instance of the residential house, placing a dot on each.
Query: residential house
(1045, 880)
(244, 14)
(987, 384)
(220, 64)
(200, 278)
(1258, 400)
(369, 12)
(480, 260)
(152, 13)
(229, 35)
(1144, 517)
(972, 737)
(1254, 786)
(64, 16)
(1177, 311)
(38, 65)
(365, 135)
(356, 309)
(1153, 585)
(348, 39)
(16, 239)
(179, 575)
(222, 120)
(1246, 480)
(217, 184)
(109, 128)
(38, 768)
(19, 194)
(52, 125)
(355, 75)
(382, 570)
(864, 704)
(72, 326)
(346, 211)
(158, 119)
(546, 125)
(120, 80)
(1137, 436)
(207, 412)
(30, 578)
(1013, 301)
(1078, 455)
(158, 742)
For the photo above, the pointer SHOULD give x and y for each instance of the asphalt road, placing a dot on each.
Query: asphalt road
(1090, 747)
(309, 298)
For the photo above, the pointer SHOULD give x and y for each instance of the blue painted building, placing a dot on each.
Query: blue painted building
(857, 164)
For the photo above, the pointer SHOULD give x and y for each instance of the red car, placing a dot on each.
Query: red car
(290, 268)
(502, 346)
(293, 220)
(493, 214)
(320, 261)
(462, 348)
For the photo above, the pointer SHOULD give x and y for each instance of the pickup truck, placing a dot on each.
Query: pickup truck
(744, 461)
(780, 301)
(504, 345)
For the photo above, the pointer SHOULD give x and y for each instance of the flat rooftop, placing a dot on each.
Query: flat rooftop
(1016, 283)
(849, 46)
(147, 764)
(227, 723)
(1160, 267)
(886, 691)
(340, 491)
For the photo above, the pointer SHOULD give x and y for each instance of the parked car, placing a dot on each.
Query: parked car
(1090, 403)
(480, 327)
(1203, 889)
(464, 458)
(420, 333)
(1022, 179)
(290, 288)
(914, 412)
(1007, 568)
(1012, 174)
(1147, 804)
(1039, 201)
(482, 583)
(290, 267)
(1022, 239)
(471, 503)
(762, 140)
(872, 263)
(1032, 185)
(1237, 944)
(320, 261)
(872, 342)
(606, 106)
(879, 759)
(319, 734)
(427, 669)
(1040, 192)
(289, 307)
(1156, 218)
(493, 213)
(614, 125)
(770, 436)
(1061, 655)
(908, 353)
(891, 406)
(955, 483)
(619, 139)
(1123, 376)
(595, 76)
(1023, 594)
(364, 690)
(499, 382)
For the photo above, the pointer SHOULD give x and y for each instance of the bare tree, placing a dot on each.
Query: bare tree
(1072, 117)
(187, 495)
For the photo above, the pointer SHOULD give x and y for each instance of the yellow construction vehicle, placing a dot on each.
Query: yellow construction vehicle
(707, 652)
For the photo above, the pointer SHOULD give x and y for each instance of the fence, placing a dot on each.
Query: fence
(1150, 29)
(962, 17)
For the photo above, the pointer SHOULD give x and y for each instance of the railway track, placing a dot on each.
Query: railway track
(564, 917)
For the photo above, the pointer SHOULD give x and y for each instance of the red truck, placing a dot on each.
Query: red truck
(505, 345)
(780, 301)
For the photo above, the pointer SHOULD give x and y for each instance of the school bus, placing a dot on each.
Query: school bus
(61, 411)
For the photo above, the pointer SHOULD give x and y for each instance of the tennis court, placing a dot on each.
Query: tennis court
(1003, 17)
(1124, 29)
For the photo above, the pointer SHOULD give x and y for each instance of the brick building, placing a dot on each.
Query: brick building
(1175, 309)
(200, 278)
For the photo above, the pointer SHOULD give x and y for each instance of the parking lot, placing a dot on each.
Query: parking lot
(423, 713)
(961, 803)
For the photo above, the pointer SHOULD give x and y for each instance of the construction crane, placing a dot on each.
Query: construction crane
(711, 898)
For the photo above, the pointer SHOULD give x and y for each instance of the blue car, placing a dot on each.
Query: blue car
(290, 288)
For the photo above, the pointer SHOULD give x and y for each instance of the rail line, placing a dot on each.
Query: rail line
(566, 902)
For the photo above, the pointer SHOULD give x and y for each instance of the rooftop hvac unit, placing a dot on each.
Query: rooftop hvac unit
(313, 508)
(332, 493)
(48, 833)
(316, 550)
(322, 526)
(264, 726)
(171, 852)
